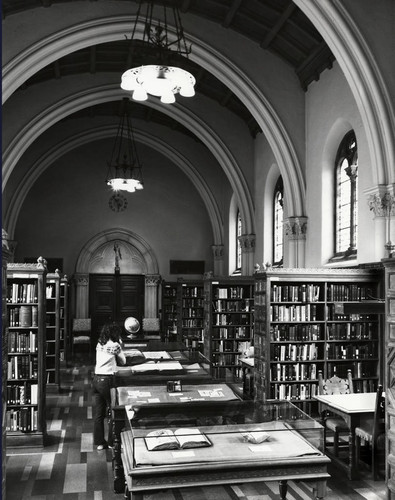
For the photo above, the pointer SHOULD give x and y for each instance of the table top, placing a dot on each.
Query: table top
(156, 394)
(350, 403)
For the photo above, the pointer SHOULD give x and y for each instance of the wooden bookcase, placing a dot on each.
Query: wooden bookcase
(169, 311)
(192, 314)
(63, 320)
(389, 385)
(301, 327)
(26, 312)
(52, 342)
(228, 324)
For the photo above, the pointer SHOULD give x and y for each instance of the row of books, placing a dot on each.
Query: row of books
(306, 312)
(231, 305)
(358, 369)
(193, 303)
(22, 367)
(226, 345)
(234, 292)
(350, 351)
(295, 293)
(192, 313)
(293, 391)
(194, 291)
(224, 359)
(357, 331)
(294, 352)
(348, 292)
(332, 315)
(233, 332)
(23, 293)
(280, 333)
(24, 419)
(192, 323)
(231, 319)
(22, 342)
(50, 291)
(298, 371)
(23, 316)
(22, 394)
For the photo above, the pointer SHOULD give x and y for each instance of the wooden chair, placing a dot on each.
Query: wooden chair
(372, 433)
(81, 334)
(337, 425)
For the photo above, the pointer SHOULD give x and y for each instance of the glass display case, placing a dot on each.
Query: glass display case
(273, 441)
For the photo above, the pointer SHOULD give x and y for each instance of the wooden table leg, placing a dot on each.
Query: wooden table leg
(321, 490)
(283, 487)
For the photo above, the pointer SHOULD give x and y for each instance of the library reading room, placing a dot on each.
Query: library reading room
(198, 249)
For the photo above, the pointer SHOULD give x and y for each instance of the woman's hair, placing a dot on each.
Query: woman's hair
(110, 331)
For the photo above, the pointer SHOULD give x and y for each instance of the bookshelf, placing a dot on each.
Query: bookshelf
(301, 327)
(228, 324)
(192, 314)
(389, 386)
(52, 322)
(63, 320)
(26, 311)
(169, 311)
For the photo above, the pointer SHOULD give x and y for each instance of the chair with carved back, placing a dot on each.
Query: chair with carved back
(371, 433)
(335, 424)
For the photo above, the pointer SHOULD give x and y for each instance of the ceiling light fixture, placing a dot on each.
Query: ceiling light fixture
(167, 49)
(124, 169)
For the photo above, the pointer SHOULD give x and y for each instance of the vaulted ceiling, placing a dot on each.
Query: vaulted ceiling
(275, 25)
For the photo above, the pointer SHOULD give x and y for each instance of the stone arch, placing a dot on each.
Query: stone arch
(143, 249)
(367, 85)
(44, 162)
(102, 30)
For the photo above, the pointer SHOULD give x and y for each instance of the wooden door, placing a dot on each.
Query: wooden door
(114, 297)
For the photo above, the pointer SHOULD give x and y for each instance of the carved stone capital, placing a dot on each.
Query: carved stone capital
(218, 251)
(296, 228)
(247, 242)
(382, 204)
(81, 279)
(152, 279)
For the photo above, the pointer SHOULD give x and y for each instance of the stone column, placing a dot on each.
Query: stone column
(247, 242)
(295, 229)
(81, 283)
(151, 295)
(381, 201)
(218, 254)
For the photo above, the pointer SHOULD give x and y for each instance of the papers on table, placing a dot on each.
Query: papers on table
(156, 355)
(159, 367)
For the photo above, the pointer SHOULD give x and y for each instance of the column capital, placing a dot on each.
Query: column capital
(218, 251)
(296, 228)
(81, 279)
(152, 279)
(247, 242)
(381, 200)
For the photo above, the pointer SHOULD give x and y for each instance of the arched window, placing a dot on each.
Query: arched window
(238, 243)
(278, 220)
(346, 176)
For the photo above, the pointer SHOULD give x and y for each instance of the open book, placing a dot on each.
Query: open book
(166, 439)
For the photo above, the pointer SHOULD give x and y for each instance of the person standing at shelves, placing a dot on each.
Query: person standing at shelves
(109, 353)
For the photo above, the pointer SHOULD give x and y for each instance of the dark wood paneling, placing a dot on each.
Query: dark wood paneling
(114, 297)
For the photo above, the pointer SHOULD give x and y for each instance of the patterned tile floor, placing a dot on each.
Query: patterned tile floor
(70, 467)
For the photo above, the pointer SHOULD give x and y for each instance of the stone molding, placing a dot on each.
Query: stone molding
(152, 279)
(247, 242)
(296, 228)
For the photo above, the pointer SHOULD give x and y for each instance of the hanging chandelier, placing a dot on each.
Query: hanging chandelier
(124, 169)
(163, 78)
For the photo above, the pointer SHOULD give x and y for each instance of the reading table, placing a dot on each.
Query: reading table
(279, 443)
(353, 408)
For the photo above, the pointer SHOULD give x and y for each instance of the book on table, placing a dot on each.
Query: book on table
(166, 439)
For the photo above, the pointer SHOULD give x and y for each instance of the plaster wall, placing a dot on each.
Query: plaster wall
(69, 205)
(330, 113)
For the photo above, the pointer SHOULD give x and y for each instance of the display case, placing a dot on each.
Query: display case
(301, 328)
(278, 442)
(26, 312)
